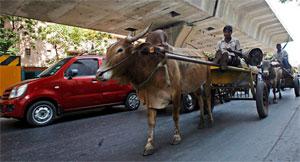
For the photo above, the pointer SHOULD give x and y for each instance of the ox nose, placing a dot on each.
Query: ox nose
(99, 75)
(265, 73)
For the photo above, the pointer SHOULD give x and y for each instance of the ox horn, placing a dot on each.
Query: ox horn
(138, 36)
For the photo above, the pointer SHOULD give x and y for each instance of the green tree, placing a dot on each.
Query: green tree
(56, 35)
(8, 38)
(16, 29)
(98, 40)
(64, 38)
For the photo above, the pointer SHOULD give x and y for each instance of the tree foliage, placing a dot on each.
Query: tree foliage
(66, 38)
(62, 37)
(15, 29)
(8, 38)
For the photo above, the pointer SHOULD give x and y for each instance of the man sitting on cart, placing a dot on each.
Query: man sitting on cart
(282, 57)
(228, 49)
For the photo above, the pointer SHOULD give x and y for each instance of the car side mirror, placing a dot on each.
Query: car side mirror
(72, 73)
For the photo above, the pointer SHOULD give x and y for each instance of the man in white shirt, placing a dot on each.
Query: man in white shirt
(228, 49)
(282, 57)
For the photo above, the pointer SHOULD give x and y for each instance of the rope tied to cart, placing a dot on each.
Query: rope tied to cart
(162, 63)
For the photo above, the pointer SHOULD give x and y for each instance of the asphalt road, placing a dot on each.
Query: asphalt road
(116, 135)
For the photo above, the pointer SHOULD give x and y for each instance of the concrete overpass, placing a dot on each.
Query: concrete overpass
(189, 23)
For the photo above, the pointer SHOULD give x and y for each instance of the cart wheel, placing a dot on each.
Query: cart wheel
(262, 99)
(296, 87)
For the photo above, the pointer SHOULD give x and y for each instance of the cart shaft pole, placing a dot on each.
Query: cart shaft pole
(204, 62)
(193, 60)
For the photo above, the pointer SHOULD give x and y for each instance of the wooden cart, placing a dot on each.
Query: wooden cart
(230, 83)
(290, 81)
(227, 82)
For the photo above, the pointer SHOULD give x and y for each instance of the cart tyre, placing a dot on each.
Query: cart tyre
(262, 102)
(296, 87)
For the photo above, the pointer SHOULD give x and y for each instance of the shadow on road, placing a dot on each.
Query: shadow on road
(89, 113)
(10, 124)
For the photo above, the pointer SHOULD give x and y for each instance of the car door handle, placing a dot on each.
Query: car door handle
(94, 81)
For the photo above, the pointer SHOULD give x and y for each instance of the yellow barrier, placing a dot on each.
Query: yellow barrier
(10, 71)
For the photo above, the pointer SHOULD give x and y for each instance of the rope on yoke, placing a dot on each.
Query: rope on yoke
(114, 66)
(163, 64)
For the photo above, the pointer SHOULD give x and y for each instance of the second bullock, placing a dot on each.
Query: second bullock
(157, 80)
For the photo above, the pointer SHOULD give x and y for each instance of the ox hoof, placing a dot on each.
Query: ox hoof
(210, 124)
(201, 126)
(149, 150)
(176, 140)
(275, 101)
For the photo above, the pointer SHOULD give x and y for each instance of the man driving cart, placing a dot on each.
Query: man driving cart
(228, 49)
(282, 57)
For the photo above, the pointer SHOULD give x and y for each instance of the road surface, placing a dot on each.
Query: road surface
(116, 135)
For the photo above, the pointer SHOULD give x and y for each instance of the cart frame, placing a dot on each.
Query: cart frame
(233, 79)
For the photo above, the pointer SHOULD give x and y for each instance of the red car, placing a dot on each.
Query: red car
(66, 86)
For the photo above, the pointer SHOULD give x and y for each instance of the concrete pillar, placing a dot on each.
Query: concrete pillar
(177, 33)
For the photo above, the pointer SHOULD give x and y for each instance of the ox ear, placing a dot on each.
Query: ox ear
(130, 39)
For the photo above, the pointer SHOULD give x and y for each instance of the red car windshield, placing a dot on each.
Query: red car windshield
(54, 68)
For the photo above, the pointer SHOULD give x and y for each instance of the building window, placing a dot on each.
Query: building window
(27, 51)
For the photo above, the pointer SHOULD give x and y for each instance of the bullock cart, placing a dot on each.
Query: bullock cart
(290, 81)
(229, 81)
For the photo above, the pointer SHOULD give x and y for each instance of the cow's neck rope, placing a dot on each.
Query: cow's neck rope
(115, 66)
(159, 65)
(140, 85)
(162, 63)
